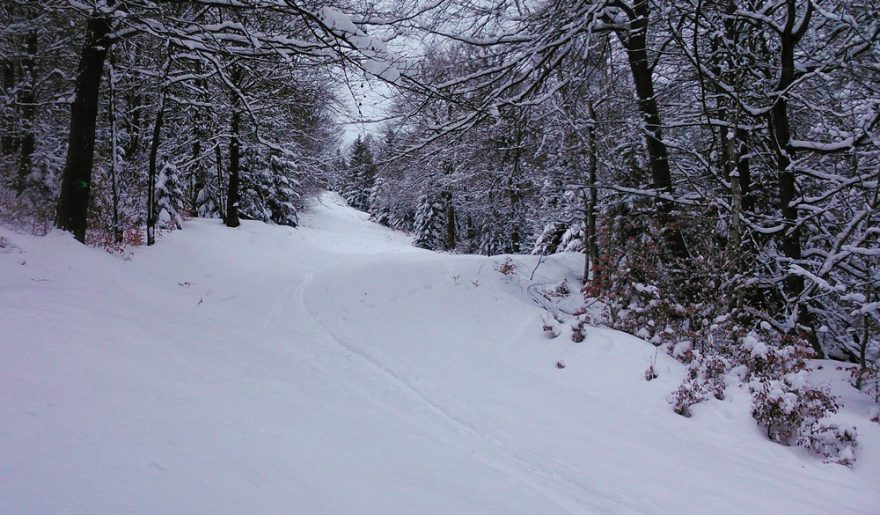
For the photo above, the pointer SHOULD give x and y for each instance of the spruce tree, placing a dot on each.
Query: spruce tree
(430, 226)
(169, 198)
(361, 175)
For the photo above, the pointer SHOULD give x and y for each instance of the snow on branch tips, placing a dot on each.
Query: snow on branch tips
(375, 60)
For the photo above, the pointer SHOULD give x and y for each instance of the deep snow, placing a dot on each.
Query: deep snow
(334, 368)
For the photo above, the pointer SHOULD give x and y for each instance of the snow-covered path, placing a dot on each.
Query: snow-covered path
(335, 368)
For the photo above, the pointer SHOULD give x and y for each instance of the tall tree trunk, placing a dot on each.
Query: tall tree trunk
(743, 167)
(788, 191)
(514, 185)
(132, 120)
(232, 195)
(196, 177)
(864, 338)
(197, 170)
(28, 109)
(450, 220)
(218, 159)
(134, 107)
(73, 203)
(635, 43)
(7, 143)
(114, 153)
(591, 247)
(154, 154)
(446, 195)
(734, 236)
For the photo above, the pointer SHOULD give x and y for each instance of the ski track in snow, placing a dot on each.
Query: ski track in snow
(337, 369)
(466, 428)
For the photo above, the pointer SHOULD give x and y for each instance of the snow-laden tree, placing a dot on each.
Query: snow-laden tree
(429, 227)
(360, 175)
(169, 198)
(283, 198)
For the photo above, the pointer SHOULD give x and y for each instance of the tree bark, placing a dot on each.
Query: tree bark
(28, 109)
(450, 220)
(734, 235)
(196, 177)
(635, 43)
(232, 195)
(218, 159)
(114, 153)
(7, 142)
(780, 128)
(591, 248)
(73, 203)
(154, 154)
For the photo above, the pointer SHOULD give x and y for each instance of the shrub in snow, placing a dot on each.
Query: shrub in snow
(704, 379)
(651, 372)
(772, 360)
(784, 403)
(831, 441)
(577, 331)
(549, 330)
(508, 267)
(683, 351)
(562, 289)
(786, 406)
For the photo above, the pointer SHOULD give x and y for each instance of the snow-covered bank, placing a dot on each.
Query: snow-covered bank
(334, 368)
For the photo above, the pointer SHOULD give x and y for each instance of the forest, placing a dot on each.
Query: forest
(716, 163)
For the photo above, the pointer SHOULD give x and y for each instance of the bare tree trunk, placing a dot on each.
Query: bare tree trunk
(734, 233)
(7, 143)
(865, 338)
(446, 195)
(114, 153)
(734, 236)
(788, 192)
(132, 121)
(450, 220)
(591, 247)
(134, 107)
(197, 170)
(232, 195)
(154, 153)
(635, 42)
(73, 203)
(218, 159)
(196, 177)
(28, 109)
(513, 183)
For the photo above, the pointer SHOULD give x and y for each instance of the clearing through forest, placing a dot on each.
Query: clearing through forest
(334, 368)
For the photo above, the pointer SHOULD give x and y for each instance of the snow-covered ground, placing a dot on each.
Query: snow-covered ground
(334, 368)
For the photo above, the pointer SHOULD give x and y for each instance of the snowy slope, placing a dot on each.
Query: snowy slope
(335, 368)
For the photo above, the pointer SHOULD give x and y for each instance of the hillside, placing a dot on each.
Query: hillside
(335, 368)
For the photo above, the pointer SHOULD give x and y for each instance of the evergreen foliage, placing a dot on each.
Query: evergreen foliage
(169, 198)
